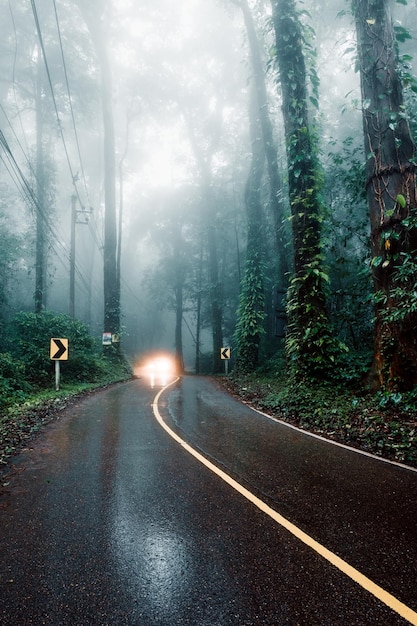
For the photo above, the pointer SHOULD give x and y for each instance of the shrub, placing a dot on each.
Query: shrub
(32, 334)
(13, 384)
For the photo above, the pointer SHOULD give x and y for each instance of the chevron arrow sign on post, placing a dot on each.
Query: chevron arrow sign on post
(225, 356)
(59, 350)
(225, 353)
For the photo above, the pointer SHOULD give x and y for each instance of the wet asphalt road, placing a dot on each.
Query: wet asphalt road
(107, 520)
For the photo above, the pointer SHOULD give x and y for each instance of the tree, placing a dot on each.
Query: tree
(10, 246)
(204, 160)
(269, 144)
(392, 198)
(346, 234)
(251, 310)
(41, 193)
(170, 280)
(93, 13)
(309, 344)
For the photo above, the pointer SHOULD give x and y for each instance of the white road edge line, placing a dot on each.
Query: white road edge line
(334, 443)
(384, 596)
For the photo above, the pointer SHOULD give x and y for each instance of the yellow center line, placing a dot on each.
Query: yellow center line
(384, 596)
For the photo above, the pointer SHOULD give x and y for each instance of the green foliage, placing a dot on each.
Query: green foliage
(313, 352)
(251, 315)
(10, 245)
(383, 424)
(13, 384)
(31, 334)
(312, 349)
(29, 368)
(401, 33)
(399, 302)
(346, 243)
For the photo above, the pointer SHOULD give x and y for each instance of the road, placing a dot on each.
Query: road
(218, 517)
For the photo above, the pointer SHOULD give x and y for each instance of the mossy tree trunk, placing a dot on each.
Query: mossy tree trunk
(391, 191)
(251, 309)
(309, 343)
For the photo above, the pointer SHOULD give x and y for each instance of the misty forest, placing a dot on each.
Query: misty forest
(190, 176)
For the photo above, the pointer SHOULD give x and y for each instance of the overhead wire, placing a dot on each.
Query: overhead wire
(15, 171)
(64, 65)
(48, 73)
(94, 230)
(14, 75)
(19, 143)
(26, 191)
(23, 186)
(71, 169)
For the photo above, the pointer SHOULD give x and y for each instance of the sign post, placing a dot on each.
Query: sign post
(225, 356)
(57, 375)
(58, 351)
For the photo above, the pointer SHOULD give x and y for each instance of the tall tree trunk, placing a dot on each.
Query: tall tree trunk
(111, 279)
(40, 244)
(121, 210)
(309, 343)
(111, 289)
(269, 144)
(178, 266)
(251, 310)
(179, 312)
(199, 288)
(208, 218)
(391, 191)
(215, 286)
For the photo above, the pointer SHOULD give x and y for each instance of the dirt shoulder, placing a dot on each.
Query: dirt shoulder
(22, 423)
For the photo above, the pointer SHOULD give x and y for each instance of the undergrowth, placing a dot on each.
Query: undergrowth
(382, 424)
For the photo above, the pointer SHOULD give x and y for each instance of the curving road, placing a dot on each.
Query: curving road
(110, 519)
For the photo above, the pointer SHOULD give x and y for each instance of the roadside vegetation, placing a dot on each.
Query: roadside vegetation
(260, 200)
(382, 423)
(28, 398)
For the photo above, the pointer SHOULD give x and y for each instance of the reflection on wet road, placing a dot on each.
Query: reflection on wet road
(108, 521)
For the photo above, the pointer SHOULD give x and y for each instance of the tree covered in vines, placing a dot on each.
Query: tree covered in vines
(310, 344)
(251, 309)
(392, 196)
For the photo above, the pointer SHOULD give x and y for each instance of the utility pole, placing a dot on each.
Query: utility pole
(74, 220)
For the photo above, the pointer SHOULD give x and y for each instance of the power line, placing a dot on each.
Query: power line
(48, 73)
(25, 189)
(64, 65)
(14, 77)
(13, 168)
(95, 232)
(30, 197)
(73, 176)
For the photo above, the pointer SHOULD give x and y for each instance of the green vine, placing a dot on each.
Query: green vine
(251, 315)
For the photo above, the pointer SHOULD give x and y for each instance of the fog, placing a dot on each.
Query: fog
(180, 77)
